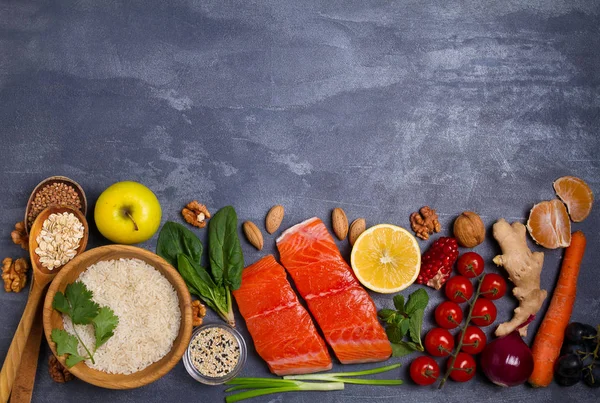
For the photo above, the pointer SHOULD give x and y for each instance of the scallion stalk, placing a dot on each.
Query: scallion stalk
(299, 386)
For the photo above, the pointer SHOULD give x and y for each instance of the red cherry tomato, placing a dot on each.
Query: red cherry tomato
(464, 367)
(470, 264)
(439, 342)
(424, 370)
(448, 315)
(484, 312)
(493, 286)
(459, 289)
(474, 340)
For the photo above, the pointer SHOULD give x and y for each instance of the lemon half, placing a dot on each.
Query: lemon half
(386, 258)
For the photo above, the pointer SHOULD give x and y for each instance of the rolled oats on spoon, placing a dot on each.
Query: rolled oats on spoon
(59, 239)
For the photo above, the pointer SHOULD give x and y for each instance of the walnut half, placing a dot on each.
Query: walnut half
(195, 214)
(14, 274)
(425, 222)
(198, 312)
(19, 235)
(58, 373)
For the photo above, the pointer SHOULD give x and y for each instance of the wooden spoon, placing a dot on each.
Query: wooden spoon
(41, 278)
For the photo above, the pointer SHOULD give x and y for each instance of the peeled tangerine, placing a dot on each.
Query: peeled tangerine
(576, 194)
(549, 224)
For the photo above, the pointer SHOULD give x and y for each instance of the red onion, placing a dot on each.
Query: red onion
(507, 360)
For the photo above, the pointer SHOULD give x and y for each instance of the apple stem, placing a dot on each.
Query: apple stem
(128, 214)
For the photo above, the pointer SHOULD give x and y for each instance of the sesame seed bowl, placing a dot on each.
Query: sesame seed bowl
(216, 354)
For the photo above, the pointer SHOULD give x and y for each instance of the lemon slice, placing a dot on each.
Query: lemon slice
(386, 258)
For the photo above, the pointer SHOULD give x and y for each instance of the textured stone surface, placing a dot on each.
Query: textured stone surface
(378, 107)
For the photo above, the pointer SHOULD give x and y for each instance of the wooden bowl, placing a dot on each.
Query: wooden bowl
(71, 271)
(37, 226)
(48, 181)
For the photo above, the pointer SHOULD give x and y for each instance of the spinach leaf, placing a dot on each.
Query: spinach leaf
(175, 239)
(225, 252)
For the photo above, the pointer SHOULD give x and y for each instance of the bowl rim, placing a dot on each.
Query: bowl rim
(124, 381)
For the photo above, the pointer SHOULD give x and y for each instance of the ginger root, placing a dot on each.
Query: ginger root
(524, 268)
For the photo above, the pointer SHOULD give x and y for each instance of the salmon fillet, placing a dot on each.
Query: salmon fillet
(284, 334)
(342, 308)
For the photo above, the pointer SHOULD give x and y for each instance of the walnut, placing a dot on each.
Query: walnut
(198, 312)
(19, 235)
(425, 222)
(469, 229)
(14, 274)
(58, 373)
(195, 214)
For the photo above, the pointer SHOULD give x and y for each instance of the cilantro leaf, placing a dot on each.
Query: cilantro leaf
(104, 325)
(66, 344)
(417, 300)
(83, 308)
(73, 359)
(61, 304)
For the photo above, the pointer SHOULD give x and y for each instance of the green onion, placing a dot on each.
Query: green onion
(294, 383)
(298, 386)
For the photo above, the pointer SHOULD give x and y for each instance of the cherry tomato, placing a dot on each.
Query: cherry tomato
(459, 289)
(439, 342)
(448, 315)
(474, 340)
(484, 312)
(424, 370)
(470, 264)
(464, 367)
(493, 286)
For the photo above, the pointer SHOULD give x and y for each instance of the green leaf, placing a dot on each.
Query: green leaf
(83, 308)
(399, 302)
(225, 253)
(73, 359)
(417, 300)
(415, 324)
(195, 276)
(386, 314)
(404, 325)
(65, 343)
(401, 349)
(394, 334)
(104, 325)
(175, 239)
(61, 304)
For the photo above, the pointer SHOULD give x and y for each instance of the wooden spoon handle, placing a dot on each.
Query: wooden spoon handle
(15, 351)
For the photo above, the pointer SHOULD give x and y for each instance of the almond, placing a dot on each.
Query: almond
(357, 227)
(274, 218)
(339, 222)
(253, 234)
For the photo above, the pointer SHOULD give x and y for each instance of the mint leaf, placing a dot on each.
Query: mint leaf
(417, 300)
(394, 334)
(104, 325)
(83, 309)
(404, 326)
(415, 324)
(401, 349)
(386, 314)
(399, 303)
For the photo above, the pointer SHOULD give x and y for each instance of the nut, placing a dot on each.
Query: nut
(469, 230)
(14, 274)
(195, 214)
(58, 373)
(425, 222)
(357, 227)
(339, 222)
(274, 218)
(198, 312)
(19, 235)
(253, 234)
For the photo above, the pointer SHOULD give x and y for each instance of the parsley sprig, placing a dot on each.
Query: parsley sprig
(406, 319)
(78, 305)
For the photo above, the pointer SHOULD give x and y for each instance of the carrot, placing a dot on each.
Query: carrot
(549, 338)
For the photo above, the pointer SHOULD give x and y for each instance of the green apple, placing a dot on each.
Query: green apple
(127, 212)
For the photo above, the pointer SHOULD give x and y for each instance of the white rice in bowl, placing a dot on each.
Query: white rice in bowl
(148, 309)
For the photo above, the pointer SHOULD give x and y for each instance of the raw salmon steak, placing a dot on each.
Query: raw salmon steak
(284, 334)
(342, 308)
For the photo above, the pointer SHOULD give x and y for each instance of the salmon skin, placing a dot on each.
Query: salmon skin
(342, 308)
(284, 334)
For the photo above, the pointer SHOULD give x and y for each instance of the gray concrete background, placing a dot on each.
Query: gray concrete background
(378, 107)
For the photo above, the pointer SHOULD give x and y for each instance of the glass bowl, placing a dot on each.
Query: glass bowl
(195, 373)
